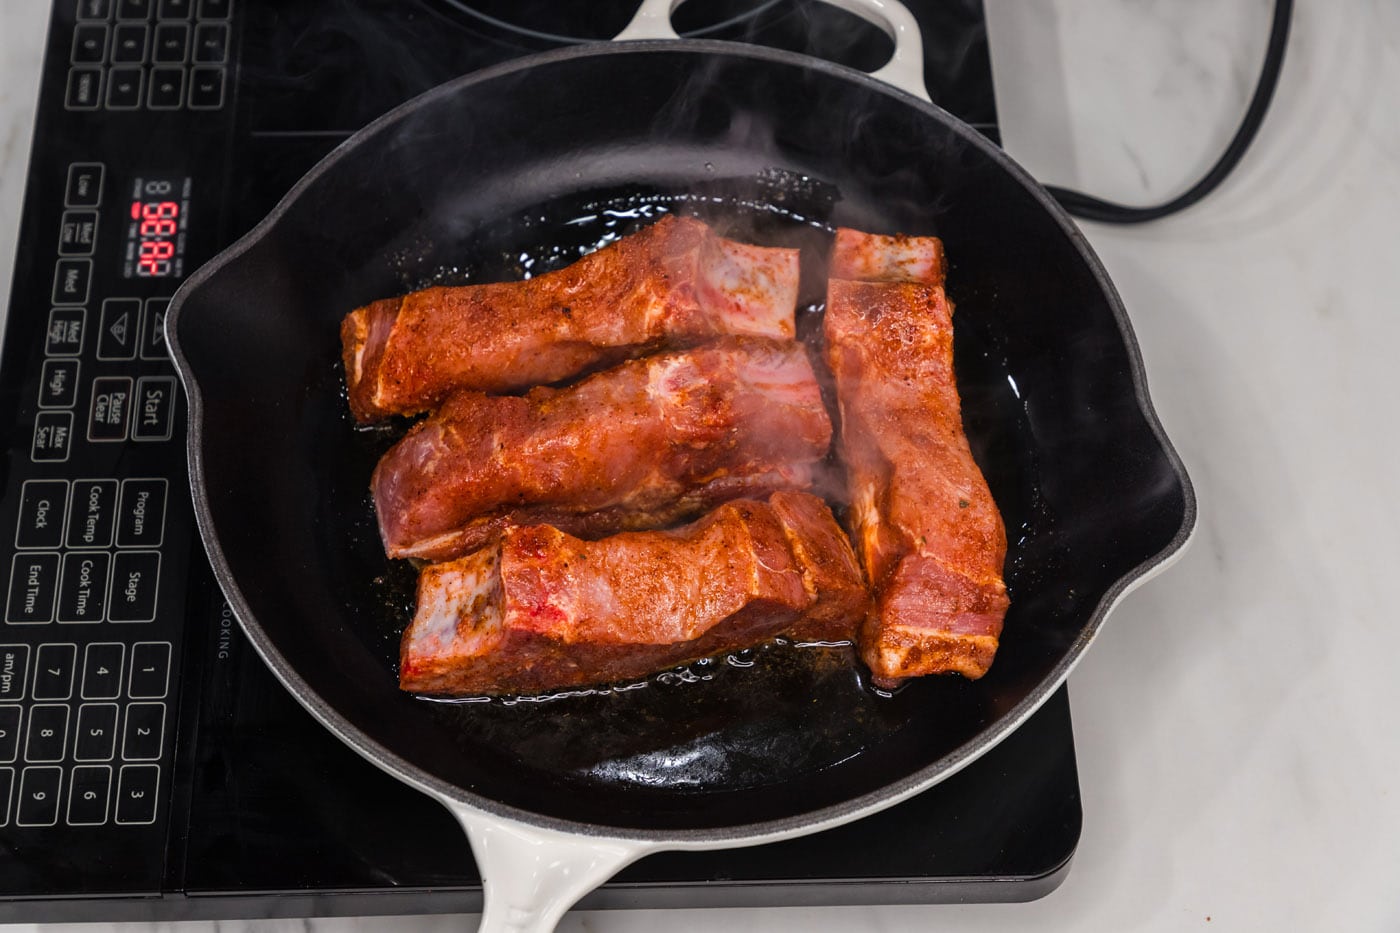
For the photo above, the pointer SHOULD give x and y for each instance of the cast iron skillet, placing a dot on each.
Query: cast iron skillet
(517, 169)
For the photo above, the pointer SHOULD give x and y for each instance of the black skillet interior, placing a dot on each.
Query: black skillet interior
(515, 171)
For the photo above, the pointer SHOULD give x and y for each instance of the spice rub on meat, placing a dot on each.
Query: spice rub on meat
(553, 512)
(647, 443)
(540, 610)
(925, 525)
(674, 283)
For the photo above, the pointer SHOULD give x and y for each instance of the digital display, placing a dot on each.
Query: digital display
(157, 222)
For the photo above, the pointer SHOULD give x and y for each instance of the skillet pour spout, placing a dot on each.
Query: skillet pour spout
(514, 161)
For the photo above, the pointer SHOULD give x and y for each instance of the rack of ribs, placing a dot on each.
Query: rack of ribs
(675, 283)
(541, 610)
(647, 443)
(927, 530)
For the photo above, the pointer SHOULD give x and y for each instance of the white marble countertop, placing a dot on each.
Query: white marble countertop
(1238, 722)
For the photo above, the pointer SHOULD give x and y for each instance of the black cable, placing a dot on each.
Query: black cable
(1088, 207)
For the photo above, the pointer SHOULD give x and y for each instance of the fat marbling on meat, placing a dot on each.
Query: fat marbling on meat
(541, 610)
(674, 283)
(927, 530)
(647, 443)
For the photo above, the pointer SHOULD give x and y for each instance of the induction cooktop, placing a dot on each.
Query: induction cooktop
(150, 766)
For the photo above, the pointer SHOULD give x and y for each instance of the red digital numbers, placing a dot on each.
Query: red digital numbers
(159, 222)
(158, 219)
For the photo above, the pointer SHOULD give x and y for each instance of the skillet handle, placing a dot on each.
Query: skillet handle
(905, 69)
(532, 876)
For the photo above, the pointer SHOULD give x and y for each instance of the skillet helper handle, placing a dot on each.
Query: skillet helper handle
(532, 876)
(905, 69)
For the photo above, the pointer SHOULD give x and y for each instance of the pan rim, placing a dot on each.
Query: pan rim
(743, 833)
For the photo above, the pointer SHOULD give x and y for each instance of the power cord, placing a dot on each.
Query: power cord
(1088, 207)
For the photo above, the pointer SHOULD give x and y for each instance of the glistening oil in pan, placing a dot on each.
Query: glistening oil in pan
(775, 208)
(773, 713)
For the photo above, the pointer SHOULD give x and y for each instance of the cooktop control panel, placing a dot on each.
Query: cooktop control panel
(95, 525)
(149, 54)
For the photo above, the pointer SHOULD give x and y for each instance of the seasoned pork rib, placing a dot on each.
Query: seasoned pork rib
(540, 610)
(674, 282)
(830, 571)
(644, 444)
(926, 528)
(870, 257)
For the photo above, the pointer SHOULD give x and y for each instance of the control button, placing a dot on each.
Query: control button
(58, 384)
(135, 575)
(9, 732)
(215, 9)
(141, 518)
(71, 278)
(82, 592)
(102, 671)
(65, 334)
(14, 668)
(110, 408)
(155, 406)
(7, 783)
(53, 437)
(153, 330)
(94, 9)
(134, 9)
(97, 732)
(124, 89)
(54, 667)
(206, 88)
(84, 185)
(88, 790)
(33, 589)
(211, 43)
(92, 516)
(167, 89)
(39, 790)
(129, 44)
(89, 43)
(120, 329)
(172, 40)
(150, 670)
(137, 786)
(145, 729)
(84, 89)
(174, 9)
(77, 234)
(41, 507)
(47, 734)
